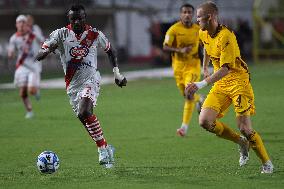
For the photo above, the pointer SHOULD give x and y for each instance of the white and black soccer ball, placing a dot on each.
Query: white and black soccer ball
(47, 162)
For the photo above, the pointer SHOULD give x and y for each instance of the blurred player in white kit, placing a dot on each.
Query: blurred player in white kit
(25, 44)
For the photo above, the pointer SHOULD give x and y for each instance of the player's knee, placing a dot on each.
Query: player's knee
(84, 114)
(245, 129)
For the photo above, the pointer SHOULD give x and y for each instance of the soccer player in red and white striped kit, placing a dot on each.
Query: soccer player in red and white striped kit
(25, 44)
(77, 46)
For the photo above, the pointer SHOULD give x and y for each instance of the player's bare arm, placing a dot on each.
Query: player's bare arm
(206, 59)
(191, 88)
(119, 79)
(42, 54)
(222, 72)
(178, 50)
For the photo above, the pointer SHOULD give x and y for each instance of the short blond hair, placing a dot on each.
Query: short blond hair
(209, 7)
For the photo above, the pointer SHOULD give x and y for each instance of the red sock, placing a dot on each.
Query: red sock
(95, 131)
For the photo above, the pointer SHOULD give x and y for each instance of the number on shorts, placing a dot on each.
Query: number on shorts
(239, 99)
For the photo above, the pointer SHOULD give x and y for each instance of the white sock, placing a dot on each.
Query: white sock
(184, 126)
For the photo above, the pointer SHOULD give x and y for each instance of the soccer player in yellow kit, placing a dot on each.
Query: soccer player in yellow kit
(231, 86)
(183, 42)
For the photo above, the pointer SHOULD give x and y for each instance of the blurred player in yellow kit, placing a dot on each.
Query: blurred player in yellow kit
(231, 86)
(183, 42)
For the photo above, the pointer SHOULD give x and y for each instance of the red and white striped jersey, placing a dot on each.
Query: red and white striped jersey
(27, 47)
(78, 54)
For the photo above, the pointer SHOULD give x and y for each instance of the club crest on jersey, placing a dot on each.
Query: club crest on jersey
(79, 52)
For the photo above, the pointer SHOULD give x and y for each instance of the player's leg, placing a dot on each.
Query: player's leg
(91, 121)
(87, 101)
(188, 108)
(189, 104)
(208, 121)
(178, 75)
(256, 143)
(34, 84)
(215, 106)
(244, 107)
(28, 106)
(21, 81)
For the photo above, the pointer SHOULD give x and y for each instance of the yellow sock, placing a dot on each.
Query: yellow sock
(187, 111)
(223, 131)
(258, 146)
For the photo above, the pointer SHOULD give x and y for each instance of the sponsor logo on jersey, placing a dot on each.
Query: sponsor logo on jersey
(79, 52)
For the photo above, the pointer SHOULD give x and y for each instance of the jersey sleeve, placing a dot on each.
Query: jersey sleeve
(103, 41)
(53, 39)
(227, 49)
(169, 38)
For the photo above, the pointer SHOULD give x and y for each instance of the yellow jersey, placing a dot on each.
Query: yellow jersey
(179, 36)
(223, 49)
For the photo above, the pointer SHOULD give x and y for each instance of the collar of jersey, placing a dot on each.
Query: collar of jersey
(219, 28)
(87, 27)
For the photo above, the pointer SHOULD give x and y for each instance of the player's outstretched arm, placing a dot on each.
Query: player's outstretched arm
(43, 52)
(205, 63)
(119, 79)
(178, 50)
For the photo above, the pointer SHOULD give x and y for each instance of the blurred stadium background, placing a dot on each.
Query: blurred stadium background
(136, 28)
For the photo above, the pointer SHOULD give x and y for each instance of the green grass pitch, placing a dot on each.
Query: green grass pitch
(140, 121)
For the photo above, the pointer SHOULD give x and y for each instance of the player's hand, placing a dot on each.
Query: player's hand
(185, 49)
(119, 79)
(121, 83)
(189, 91)
(44, 52)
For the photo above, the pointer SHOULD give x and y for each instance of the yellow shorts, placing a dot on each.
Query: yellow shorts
(240, 95)
(185, 73)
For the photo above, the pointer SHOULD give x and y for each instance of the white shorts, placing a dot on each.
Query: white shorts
(26, 77)
(89, 89)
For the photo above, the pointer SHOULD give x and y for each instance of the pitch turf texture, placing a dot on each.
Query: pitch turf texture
(140, 121)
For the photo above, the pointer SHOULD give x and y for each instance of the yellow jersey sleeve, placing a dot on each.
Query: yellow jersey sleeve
(227, 50)
(169, 37)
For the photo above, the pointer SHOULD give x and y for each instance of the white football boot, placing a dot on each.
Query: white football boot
(103, 155)
(29, 115)
(267, 167)
(106, 156)
(244, 151)
(110, 150)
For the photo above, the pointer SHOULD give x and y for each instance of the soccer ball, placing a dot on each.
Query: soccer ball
(47, 162)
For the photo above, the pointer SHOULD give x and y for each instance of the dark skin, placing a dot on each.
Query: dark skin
(77, 20)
